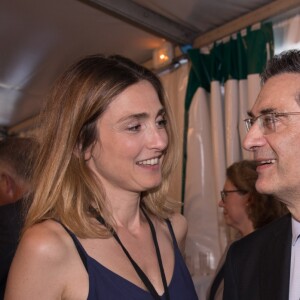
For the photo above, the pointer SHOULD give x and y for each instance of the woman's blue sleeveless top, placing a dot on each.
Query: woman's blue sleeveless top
(107, 285)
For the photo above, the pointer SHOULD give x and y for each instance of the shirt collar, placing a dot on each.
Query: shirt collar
(295, 231)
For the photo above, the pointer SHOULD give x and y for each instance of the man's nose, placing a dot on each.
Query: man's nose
(254, 138)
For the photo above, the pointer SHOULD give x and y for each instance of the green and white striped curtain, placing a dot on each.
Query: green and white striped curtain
(223, 84)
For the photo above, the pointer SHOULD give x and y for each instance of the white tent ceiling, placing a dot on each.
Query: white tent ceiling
(40, 37)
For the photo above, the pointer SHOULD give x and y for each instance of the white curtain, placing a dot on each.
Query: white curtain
(214, 134)
(287, 34)
(200, 192)
(228, 82)
(175, 83)
(214, 139)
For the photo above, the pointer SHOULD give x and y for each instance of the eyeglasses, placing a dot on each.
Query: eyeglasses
(224, 193)
(267, 122)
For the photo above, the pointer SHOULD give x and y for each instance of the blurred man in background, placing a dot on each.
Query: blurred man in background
(16, 164)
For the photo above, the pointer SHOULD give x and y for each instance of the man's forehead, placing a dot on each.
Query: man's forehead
(262, 105)
(279, 93)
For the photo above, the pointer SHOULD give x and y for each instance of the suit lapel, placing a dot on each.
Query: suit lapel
(275, 262)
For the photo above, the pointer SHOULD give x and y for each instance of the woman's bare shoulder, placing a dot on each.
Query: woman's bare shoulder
(46, 240)
(180, 227)
(179, 223)
(43, 255)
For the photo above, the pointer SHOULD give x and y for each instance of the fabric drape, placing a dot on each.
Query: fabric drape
(287, 34)
(175, 85)
(223, 84)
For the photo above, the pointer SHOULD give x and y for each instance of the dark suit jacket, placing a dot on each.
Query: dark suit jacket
(11, 221)
(257, 267)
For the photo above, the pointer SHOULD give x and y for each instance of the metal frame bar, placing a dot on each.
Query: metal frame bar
(148, 20)
(261, 14)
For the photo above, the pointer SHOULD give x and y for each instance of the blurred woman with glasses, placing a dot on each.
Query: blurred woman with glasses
(244, 209)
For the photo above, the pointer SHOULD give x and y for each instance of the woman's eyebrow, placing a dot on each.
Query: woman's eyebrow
(138, 116)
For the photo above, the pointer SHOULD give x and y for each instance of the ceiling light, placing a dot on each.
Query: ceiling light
(163, 56)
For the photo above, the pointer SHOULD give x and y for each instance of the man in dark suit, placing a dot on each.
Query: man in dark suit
(266, 264)
(16, 162)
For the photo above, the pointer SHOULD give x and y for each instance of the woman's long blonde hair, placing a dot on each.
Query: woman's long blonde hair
(66, 189)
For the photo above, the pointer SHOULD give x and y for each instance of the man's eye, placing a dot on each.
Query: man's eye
(162, 123)
(268, 120)
(251, 121)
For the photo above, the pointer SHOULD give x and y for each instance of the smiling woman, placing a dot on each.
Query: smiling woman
(100, 225)
(133, 140)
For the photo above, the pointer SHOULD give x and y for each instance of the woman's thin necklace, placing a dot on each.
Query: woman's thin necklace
(139, 271)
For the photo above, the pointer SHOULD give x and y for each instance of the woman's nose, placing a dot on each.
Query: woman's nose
(221, 203)
(158, 138)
